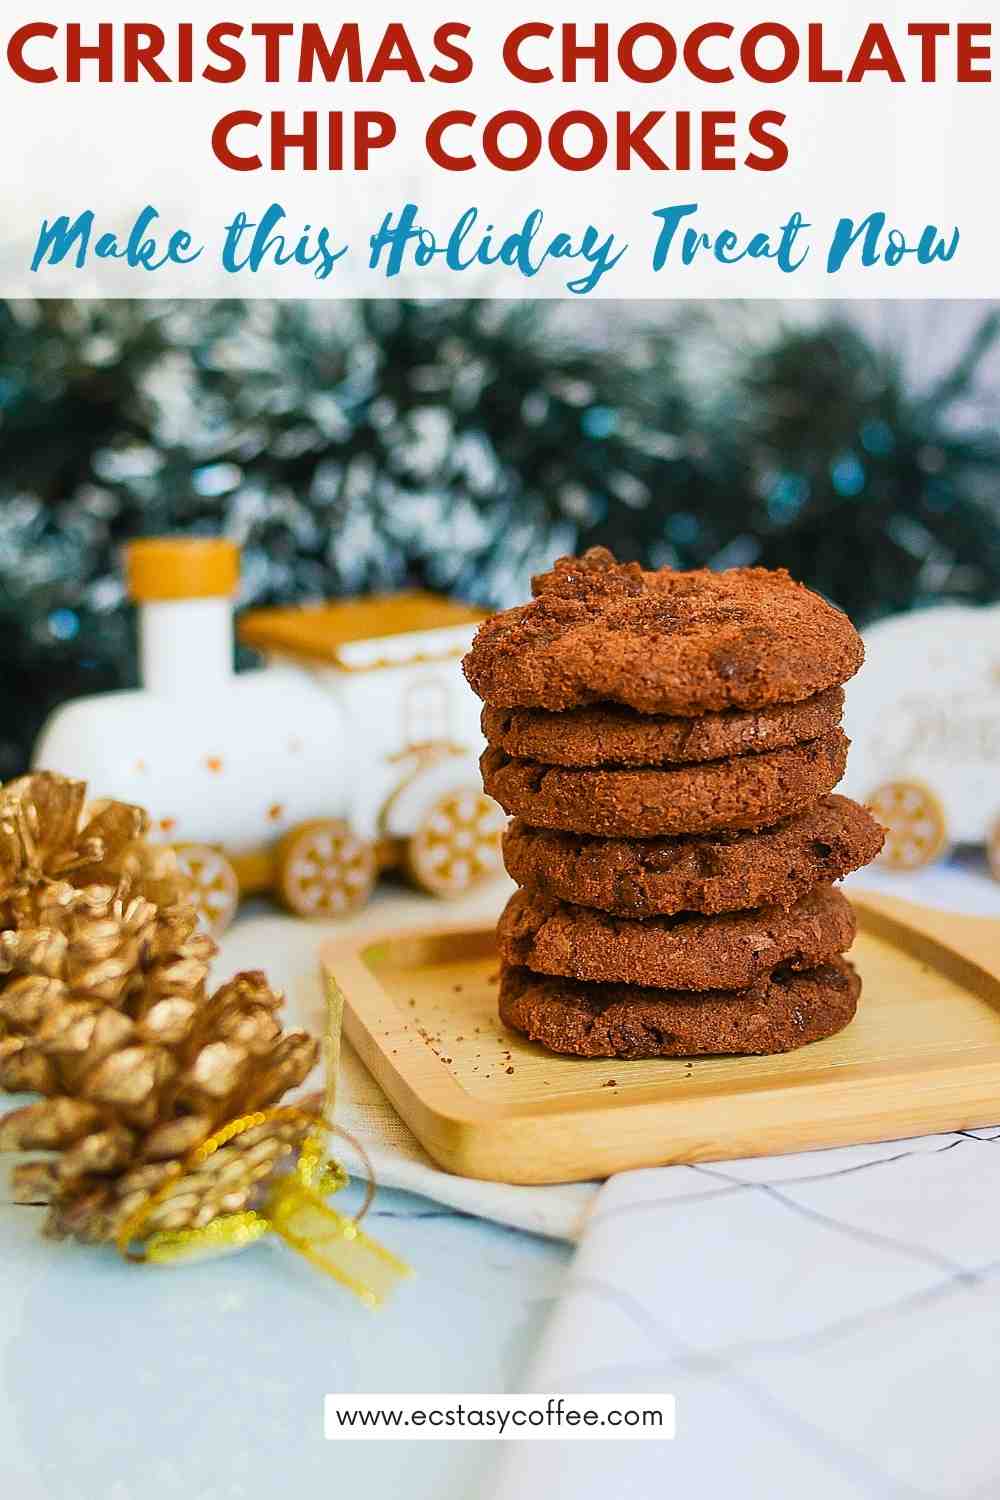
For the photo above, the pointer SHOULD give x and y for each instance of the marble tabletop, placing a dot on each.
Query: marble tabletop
(206, 1383)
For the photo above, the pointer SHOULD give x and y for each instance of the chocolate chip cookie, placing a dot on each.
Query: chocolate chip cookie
(610, 735)
(784, 1011)
(662, 642)
(745, 791)
(686, 952)
(727, 871)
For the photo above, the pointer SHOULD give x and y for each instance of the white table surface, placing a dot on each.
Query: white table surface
(205, 1383)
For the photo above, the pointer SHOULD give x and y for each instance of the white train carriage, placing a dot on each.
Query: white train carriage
(924, 721)
(353, 750)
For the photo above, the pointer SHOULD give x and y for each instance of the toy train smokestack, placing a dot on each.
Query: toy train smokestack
(184, 588)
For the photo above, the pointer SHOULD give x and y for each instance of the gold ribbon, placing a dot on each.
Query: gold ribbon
(294, 1208)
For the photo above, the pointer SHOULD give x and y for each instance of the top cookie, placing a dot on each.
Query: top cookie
(663, 642)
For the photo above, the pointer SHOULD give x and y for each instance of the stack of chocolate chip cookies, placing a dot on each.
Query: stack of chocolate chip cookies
(667, 744)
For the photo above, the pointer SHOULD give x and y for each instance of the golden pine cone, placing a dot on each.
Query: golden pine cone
(142, 1092)
(99, 1205)
(95, 956)
(104, 1012)
(50, 836)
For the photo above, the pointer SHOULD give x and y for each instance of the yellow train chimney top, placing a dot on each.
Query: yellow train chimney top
(174, 567)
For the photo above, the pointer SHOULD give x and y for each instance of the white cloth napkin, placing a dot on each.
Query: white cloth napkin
(828, 1324)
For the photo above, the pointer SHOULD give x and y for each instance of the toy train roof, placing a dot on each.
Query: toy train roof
(361, 634)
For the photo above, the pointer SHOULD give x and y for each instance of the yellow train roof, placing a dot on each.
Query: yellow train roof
(328, 632)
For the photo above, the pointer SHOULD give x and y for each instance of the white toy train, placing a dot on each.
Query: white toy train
(355, 749)
(924, 722)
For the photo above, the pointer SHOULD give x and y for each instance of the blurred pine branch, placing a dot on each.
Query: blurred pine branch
(461, 445)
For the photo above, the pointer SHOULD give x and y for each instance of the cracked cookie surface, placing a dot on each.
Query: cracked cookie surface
(666, 642)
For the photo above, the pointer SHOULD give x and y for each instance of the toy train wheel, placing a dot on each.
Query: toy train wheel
(457, 843)
(325, 869)
(993, 850)
(216, 888)
(916, 831)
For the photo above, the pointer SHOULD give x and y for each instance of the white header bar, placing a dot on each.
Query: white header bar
(740, 151)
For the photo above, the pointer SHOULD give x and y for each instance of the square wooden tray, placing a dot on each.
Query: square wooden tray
(923, 1055)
